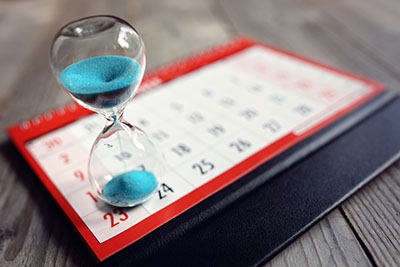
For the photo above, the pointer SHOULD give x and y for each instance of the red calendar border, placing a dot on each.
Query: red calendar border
(44, 123)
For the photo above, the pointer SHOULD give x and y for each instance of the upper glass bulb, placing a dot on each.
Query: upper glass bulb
(109, 57)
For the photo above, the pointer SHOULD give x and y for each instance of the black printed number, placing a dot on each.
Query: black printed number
(273, 126)
(303, 110)
(216, 130)
(141, 167)
(90, 127)
(195, 117)
(124, 155)
(248, 113)
(164, 189)
(160, 135)
(181, 149)
(203, 166)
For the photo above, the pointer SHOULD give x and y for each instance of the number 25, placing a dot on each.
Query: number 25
(204, 166)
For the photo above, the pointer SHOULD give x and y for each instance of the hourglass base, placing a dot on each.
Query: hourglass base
(130, 188)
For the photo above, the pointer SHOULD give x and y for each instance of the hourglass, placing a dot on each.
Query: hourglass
(100, 62)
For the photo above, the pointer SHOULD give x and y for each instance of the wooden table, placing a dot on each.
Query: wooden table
(362, 36)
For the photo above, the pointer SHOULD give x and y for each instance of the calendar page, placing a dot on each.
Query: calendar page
(214, 124)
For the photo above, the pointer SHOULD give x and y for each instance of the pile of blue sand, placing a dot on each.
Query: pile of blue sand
(103, 81)
(130, 188)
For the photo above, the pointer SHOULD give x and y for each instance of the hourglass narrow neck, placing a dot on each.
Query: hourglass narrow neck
(114, 115)
(113, 119)
(116, 120)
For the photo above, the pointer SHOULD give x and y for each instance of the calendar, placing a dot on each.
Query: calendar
(215, 117)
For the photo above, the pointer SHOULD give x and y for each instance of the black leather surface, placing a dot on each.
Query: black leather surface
(251, 220)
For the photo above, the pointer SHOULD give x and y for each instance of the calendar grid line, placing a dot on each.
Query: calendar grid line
(341, 102)
(242, 127)
(206, 147)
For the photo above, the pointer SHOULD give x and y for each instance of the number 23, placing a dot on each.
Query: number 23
(115, 211)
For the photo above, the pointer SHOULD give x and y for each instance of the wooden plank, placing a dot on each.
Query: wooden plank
(375, 215)
(18, 41)
(306, 30)
(168, 39)
(329, 243)
(371, 27)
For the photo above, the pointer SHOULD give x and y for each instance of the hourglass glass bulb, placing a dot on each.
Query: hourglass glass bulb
(124, 165)
(100, 62)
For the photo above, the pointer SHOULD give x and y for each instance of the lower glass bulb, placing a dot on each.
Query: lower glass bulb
(124, 165)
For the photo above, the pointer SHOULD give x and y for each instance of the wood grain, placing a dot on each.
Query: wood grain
(329, 243)
(355, 35)
(375, 214)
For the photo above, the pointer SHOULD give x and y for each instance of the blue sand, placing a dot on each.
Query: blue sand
(107, 76)
(130, 187)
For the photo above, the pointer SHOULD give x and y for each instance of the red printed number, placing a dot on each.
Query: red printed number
(64, 157)
(79, 174)
(92, 197)
(50, 144)
(122, 216)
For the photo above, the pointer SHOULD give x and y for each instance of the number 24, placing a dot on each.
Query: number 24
(115, 211)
